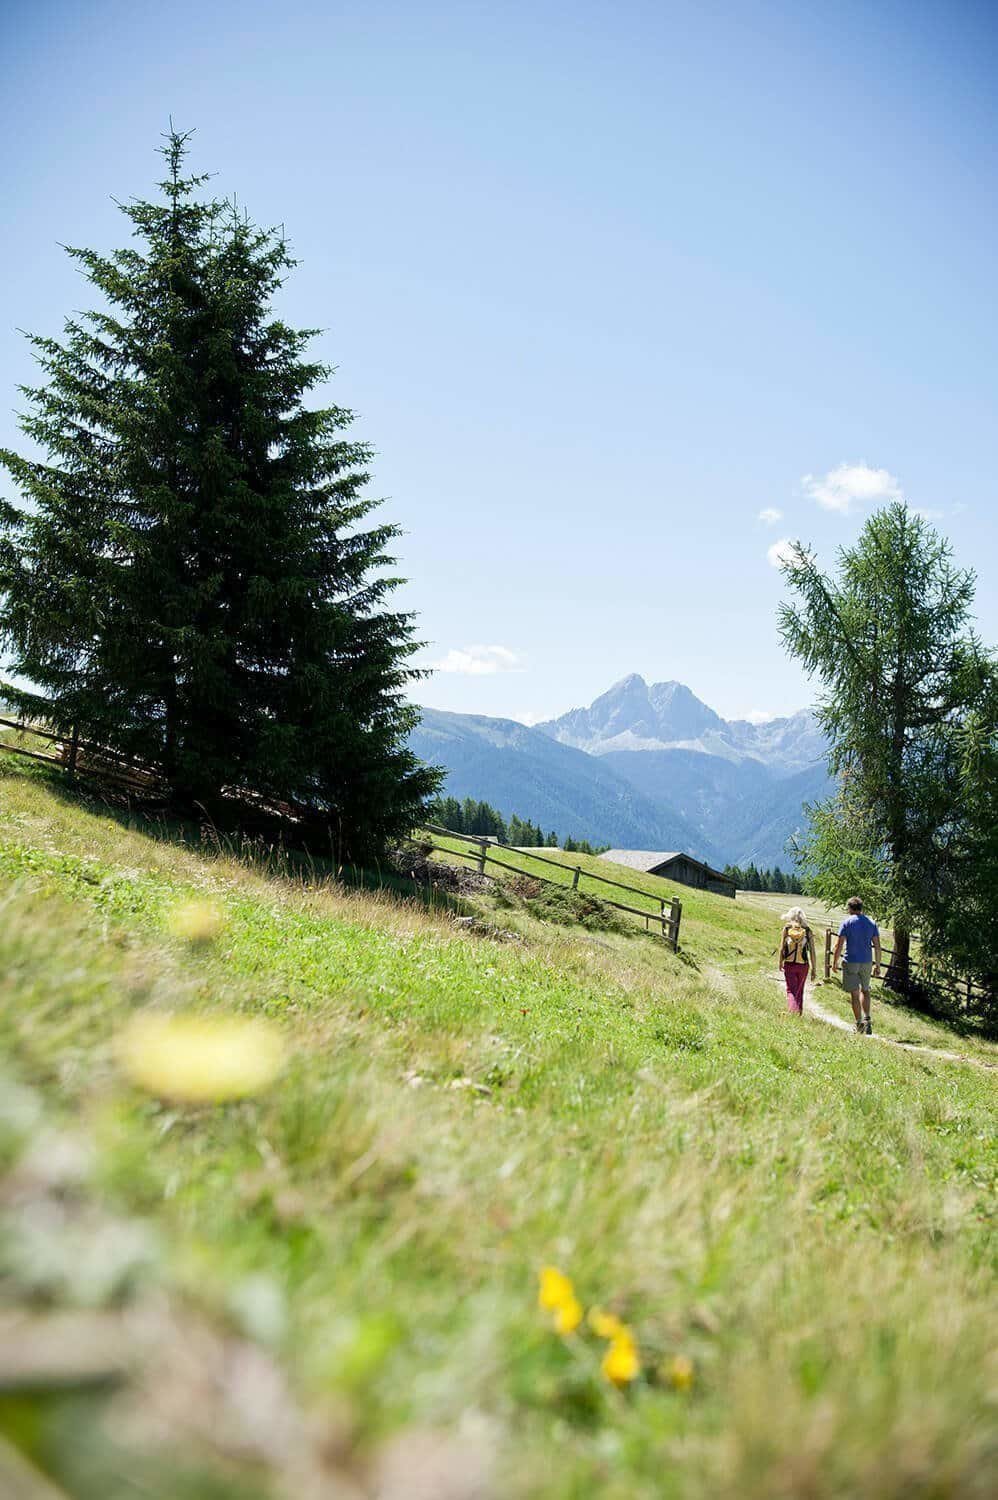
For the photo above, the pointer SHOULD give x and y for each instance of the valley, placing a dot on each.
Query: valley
(643, 766)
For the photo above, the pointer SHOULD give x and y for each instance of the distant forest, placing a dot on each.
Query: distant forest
(751, 879)
(485, 821)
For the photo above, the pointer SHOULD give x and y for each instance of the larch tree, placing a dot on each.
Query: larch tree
(193, 580)
(890, 639)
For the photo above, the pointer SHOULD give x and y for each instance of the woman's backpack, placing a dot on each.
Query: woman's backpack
(796, 944)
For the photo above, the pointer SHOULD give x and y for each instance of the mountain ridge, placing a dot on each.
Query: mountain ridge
(633, 715)
(518, 769)
(643, 766)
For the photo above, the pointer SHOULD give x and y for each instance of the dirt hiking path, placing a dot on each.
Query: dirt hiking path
(814, 1007)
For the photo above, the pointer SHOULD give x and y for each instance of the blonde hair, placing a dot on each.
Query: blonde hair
(795, 914)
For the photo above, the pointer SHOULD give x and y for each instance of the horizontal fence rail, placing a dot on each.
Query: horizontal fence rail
(77, 756)
(959, 987)
(665, 922)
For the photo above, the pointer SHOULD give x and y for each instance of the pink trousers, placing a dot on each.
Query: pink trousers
(795, 976)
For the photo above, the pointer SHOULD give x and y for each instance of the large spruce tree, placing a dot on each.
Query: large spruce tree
(191, 581)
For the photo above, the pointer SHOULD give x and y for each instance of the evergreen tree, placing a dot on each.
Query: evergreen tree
(452, 817)
(447, 813)
(891, 641)
(190, 582)
(961, 923)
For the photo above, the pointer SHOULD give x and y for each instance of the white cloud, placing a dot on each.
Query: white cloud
(478, 661)
(760, 716)
(852, 484)
(770, 515)
(780, 552)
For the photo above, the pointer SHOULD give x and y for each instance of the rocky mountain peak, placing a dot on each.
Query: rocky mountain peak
(631, 715)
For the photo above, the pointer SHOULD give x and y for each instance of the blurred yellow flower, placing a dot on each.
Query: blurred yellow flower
(568, 1316)
(199, 1059)
(196, 922)
(605, 1325)
(621, 1364)
(555, 1289)
(679, 1372)
(556, 1294)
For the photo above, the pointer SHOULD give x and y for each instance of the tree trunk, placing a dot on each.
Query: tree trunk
(898, 976)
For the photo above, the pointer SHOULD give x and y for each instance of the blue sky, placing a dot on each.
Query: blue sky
(603, 282)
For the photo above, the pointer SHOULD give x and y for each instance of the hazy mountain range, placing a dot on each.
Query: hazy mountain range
(644, 767)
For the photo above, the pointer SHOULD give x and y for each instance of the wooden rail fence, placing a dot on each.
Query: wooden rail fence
(78, 757)
(665, 922)
(965, 991)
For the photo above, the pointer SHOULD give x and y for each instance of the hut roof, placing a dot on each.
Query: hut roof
(650, 859)
(640, 859)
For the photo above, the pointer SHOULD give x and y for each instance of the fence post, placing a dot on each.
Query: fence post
(74, 748)
(481, 858)
(828, 953)
(575, 877)
(677, 912)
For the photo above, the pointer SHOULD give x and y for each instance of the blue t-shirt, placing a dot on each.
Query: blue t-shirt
(859, 932)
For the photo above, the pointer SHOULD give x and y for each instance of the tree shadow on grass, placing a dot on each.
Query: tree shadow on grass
(983, 1027)
(262, 846)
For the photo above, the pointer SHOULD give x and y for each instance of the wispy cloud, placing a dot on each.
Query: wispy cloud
(927, 513)
(478, 661)
(770, 515)
(780, 552)
(848, 485)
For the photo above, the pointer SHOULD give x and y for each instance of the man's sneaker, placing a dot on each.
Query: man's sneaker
(868, 1026)
(861, 1027)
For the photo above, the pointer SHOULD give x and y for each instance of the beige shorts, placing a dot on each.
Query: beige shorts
(856, 977)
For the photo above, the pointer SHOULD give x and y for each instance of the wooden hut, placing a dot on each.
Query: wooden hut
(675, 866)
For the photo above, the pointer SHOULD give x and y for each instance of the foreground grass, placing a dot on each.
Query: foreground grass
(808, 1220)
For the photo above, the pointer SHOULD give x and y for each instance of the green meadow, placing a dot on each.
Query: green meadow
(330, 1287)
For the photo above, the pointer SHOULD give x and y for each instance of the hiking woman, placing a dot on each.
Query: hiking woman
(796, 957)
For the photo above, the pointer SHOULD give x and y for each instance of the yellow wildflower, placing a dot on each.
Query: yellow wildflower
(555, 1289)
(568, 1315)
(199, 1059)
(196, 922)
(605, 1325)
(556, 1294)
(621, 1364)
(679, 1372)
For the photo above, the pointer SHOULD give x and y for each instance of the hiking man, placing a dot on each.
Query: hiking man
(861, 938)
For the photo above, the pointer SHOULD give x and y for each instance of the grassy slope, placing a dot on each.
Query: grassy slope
(808, 1218)
(740, 934)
